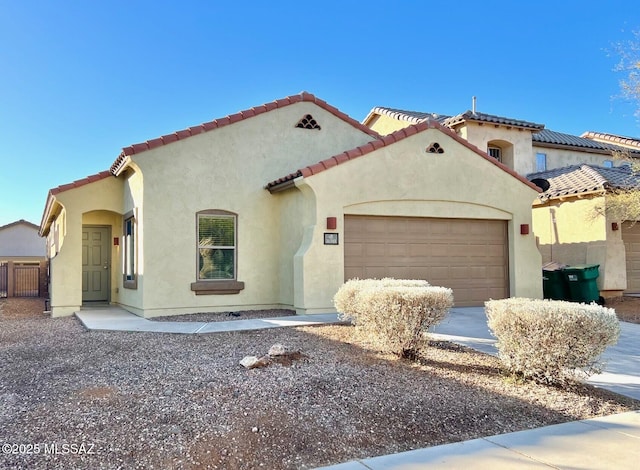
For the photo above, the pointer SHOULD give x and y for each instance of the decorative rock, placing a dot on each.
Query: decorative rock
(252, 362)
(277, 350)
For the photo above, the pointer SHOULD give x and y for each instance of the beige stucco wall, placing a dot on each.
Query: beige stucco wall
(227, 169)
(403, 179)
(133, 204)
(575, 231)
(558, 158)
(94, 204)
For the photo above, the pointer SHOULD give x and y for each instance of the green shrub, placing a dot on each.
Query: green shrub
(392, 314)
(551, 341)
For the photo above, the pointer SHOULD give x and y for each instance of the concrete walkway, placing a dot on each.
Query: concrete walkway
(118, 319)
(594, 444)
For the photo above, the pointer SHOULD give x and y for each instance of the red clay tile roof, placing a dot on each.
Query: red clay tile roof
(382, 141)
(221, 122)
(81, 182)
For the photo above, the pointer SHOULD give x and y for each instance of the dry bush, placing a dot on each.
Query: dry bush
(392, 314)
(551, 341)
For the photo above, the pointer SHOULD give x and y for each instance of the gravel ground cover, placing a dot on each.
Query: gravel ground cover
(627, 308)
(146, 400)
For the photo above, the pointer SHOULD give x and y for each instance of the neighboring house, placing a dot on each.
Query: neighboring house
(533, 151)
(22, 260)
(523, 146)
(570, 223)
(277, 205)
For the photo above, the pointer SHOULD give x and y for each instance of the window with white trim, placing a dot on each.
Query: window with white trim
(129, 275)
(216, 246)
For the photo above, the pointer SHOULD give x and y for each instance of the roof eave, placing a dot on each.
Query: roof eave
(577, 148)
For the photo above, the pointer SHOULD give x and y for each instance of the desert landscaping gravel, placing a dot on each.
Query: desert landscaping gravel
(169, 401)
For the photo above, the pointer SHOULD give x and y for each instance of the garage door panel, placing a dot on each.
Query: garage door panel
(631, 239)
(469, 256)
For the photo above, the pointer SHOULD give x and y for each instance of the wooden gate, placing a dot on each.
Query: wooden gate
(26, 281)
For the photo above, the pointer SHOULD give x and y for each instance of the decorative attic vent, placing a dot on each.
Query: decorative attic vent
(435, 148)
(307, 122)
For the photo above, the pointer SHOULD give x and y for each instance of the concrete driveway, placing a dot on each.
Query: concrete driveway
(468, 326)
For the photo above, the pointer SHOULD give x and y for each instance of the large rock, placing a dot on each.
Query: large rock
(252, 362)
(277, 350)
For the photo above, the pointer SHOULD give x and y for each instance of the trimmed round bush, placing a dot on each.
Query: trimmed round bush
(551, 341)
(392, 314)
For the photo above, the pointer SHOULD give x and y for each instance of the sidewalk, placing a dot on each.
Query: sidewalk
(611, 442)
(118, 319)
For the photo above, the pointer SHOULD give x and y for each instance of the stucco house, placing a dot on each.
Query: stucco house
(22, 260)
(277, 205)
(571, 224)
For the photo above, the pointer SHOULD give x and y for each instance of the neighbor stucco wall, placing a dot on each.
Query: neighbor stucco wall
(559, 157)
(515, 142)
(227, 169)
(403, 179)
(66, 265)
(21, 240)
(384, 125)
(575, 231)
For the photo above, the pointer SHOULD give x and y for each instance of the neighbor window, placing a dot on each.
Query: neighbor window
(216, 246)
(495, 152)
(607, 164)
(129, 252)
(541, 162)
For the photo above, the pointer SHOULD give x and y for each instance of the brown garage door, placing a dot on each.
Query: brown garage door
(469, 256)
(631, 239)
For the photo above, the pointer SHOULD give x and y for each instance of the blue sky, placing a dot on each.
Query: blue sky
(79, 80)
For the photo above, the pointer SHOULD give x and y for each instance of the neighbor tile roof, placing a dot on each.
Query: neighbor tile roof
(492, 119)
(541, 136)
(382, 141)
(567, 140)
(579, 179)
(613, 138)
(233, 118)
(409, 116)
(416, 116)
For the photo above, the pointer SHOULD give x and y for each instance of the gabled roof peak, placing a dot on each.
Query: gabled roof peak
(230, 119)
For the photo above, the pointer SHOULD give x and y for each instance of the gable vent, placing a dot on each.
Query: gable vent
(435, 148)
(307, 122)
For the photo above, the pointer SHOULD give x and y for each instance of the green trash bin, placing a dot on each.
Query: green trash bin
(554, 285)
(582, 282)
